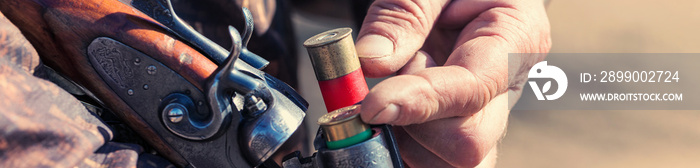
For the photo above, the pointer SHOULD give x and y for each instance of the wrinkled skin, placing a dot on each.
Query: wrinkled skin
(449, 98)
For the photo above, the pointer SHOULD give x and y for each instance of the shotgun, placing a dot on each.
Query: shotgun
(189, 109)
(194, 102)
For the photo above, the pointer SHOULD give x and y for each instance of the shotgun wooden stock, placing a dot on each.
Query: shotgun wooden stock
(61, 30)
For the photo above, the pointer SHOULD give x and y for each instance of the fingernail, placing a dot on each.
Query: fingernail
(373, 46)
(388, 114)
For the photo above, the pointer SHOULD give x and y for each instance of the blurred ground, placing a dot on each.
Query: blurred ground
(545, 139)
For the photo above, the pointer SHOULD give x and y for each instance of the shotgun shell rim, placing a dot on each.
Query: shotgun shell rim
(342, 123)
(332, 53)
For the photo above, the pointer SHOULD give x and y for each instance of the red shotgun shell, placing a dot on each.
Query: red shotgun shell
(337, 68)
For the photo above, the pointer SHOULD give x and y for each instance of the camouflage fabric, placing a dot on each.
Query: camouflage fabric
(42, 125)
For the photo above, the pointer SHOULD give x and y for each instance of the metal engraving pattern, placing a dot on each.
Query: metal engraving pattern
(141, 81)
(114, 65)
(153, 83)
(137, 78)
(156, 9)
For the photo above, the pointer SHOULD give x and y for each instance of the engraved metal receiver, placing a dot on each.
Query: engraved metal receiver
(249, 108)
(239, 119)
(193, 102)
(189, 99)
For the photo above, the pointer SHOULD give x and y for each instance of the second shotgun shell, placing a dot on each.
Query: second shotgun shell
(337, 68)
(343, 127)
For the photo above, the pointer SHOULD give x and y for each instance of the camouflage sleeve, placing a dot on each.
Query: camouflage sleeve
(42, 125)
(15, 49)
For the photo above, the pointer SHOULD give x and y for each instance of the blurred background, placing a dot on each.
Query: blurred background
(611, 138)
(545, 139)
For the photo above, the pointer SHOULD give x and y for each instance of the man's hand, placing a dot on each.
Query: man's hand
(451, 115)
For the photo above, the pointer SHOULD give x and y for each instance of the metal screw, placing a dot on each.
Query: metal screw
(137, 61)
(130, 92)
(151, 69)
(176, 112)
(254, 106)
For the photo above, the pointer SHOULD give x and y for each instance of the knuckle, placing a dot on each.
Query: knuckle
(519, 29)
(405, 14)
(418, 103)
(469, 153)
(491, 85)
(546, 43)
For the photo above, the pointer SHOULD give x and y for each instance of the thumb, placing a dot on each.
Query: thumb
(392, 32)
